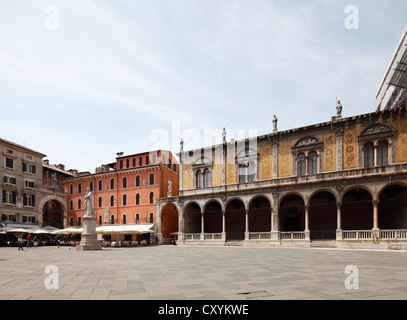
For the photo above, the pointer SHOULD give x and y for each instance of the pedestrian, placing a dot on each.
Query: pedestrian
(35, 241)
(20, 243)
(29, 238)
(375, 238)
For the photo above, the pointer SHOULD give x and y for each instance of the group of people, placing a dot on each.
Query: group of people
(30, 242)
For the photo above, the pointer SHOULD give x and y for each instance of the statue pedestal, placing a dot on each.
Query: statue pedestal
(89, 237)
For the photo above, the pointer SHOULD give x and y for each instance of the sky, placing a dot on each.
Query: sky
(82, 80)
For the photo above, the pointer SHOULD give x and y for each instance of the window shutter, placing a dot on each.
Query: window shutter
(24, 167)
(33, 169)
(14, 197)
(4, 196)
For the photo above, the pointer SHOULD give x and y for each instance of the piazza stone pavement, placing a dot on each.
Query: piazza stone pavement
(183, 272)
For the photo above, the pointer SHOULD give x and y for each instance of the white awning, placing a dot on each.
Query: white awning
(126, 228)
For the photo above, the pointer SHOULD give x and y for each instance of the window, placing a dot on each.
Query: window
(11, 180)
(91, 185)
(151, 179)
(30, 168)
(70, 205)
(112, 201)
(382, 153)
(100, 220)
(79, 187)
(124, 219)
(100, 185)
(199, 179)
(140, 161)
(174, 167)
(147, 160)
(79, 221)
(151, 219)
(112, 183)
(151, 197)
(124, 200)
(301, 165)
(29, 184)
(9, 163)
(29, 219)
(9, 196)
(369, 155)
(121, 164)
(71, 188)
(137, 198)
(29, 200)
(128, 163)
(79, 204)
(312, 162)
(134, 162)
(124, 182)
(137, 181)
(112, 219)
(100, 202)
(137, 218)
(206, 178)
(71, 221)
(246, 165)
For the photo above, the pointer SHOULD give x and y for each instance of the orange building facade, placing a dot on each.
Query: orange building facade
(125, 192)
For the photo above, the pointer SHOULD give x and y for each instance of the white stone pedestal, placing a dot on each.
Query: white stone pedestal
(89, 237)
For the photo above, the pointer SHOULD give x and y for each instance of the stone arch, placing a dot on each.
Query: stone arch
(235, 218)
(213, 216)
(292, 212)
(192, 217)
(357, 208)
(260, 214)
(49, 214)
(322, 215)
(168, 221)
(392, 206)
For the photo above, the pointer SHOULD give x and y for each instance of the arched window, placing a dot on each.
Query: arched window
(125, 200)
(312, 162)
(100, 202)
(79, 204)
(91, 185)
(100, 185)
(369, 155)
(112, 201)
(71, 188)
(134, 162)
(124, 182)
(137, 181)
(206, 178)
(199, 179)
(137, 199)
(112, 183)
(127, 163)
(382, 153)
(151, 179)
(140, 161)
(147, 160)
(151, 197)
(121, 164)
(251, 171)
(71, 205)
(79, 187)
(301, 165)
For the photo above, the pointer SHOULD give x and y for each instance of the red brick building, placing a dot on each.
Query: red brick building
(124, 192)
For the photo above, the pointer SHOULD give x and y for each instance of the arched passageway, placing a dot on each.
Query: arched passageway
(169, 222)
(192, 218)
(292, 213)
(260, 215)
(235, 218)
(392, 207)
(213, 217)
(53, 214)
(357, 210)
(323, 216)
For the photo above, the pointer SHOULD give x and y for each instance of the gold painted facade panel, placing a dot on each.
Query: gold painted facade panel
(329, 158)
(266, 162)
(350, 150)
(401, 142)
(217, 170)
(285, 167)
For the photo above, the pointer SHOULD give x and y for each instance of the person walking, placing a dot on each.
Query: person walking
(29, 238)
(20, 243)
(35, 241)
